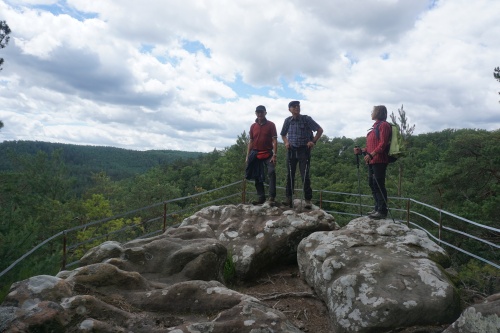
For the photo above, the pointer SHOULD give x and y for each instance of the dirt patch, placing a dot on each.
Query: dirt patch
(283, 289)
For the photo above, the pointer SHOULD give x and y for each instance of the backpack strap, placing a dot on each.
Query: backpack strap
(377, 133)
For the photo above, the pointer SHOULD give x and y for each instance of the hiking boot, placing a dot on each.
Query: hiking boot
(288, 202)
(259, 202)
(372, 212)
(308, 204)
(271, 202)
(378, 216)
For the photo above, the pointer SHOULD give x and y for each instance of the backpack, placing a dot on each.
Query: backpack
(395, 149)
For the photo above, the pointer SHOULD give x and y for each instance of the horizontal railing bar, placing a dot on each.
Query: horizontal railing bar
(30, 252)
(456, 247)
(457, 217)
(472, 236)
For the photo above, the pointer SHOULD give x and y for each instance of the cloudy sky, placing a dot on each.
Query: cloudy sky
(187, 75)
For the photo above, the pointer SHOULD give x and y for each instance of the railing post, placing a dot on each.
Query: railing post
(63, 265)
(408, 213)
(164, 216)
(440, 224)
(320, 199)
(244, 192)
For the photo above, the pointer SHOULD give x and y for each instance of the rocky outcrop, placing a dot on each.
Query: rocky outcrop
(257, 237)
(43, 304)
(169, 283)
(482, 317)
(376, 275)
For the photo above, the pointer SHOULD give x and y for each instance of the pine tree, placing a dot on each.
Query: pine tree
(4, 38)
(496, 75)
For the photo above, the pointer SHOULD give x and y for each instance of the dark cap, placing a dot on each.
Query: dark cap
(293, 103)
(260, 108)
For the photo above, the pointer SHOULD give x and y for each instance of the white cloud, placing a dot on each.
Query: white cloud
(188, 74)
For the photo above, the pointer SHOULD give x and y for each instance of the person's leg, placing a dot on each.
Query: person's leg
(271, 174)
(379, 171)
(373, 187)
(291, 167)
(261, 194)
(304, 166)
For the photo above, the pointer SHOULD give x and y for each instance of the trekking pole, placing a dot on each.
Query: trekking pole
(291, 177)
(359, 186)
(380, 191)
(304, 185)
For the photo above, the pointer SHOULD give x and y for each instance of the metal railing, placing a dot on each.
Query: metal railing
(442, 226)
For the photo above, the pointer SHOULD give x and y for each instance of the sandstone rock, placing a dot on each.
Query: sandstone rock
(377, 275)
(374, 276)
(28, 292)
(482, 317)
(163, 258)
(259, 237)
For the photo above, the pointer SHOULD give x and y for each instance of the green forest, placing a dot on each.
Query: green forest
(46, 188)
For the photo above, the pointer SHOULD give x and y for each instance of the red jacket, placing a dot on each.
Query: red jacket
(379, 144)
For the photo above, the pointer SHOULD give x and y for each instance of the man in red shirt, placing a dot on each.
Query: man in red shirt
(377, 158)
(261, 155)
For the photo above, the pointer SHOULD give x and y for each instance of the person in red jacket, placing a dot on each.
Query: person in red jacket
(377, 158)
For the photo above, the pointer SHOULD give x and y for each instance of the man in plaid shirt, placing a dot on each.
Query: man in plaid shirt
(297, 134)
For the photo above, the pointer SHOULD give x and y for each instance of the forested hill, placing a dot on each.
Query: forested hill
(80, 160)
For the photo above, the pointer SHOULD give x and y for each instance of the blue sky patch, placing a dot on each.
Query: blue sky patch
(195, 46)
(61, 8)
(284, 90)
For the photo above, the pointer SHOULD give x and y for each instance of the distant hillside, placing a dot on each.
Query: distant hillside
(82, 160)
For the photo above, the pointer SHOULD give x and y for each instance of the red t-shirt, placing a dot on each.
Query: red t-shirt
(262, 135)
(379, 145)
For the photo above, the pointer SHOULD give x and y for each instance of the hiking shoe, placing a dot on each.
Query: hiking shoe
(288, 202)
(308, 204)
(372, 212)
(271, 202)
(377, 216)
(259, 202)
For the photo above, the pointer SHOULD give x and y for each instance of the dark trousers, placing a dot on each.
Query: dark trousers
(271, 175)
(376, 180)
(302, 156)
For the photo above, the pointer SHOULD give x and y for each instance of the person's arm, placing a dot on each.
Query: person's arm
(275, 149)
(250, 142)
(285, 141)
(315, 128)
(318, 135)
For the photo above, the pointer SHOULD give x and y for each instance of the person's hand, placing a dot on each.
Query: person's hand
(274, 159)
(287, 145)
(357, 151)
(310, 144)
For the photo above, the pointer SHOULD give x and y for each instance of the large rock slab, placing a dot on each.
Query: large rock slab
(378, 275)
(257, 237)
(481, 317)
(186, 307)
(164, 258)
